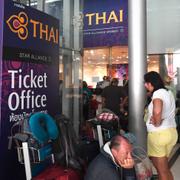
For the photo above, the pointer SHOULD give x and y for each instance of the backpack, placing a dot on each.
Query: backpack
(20, 132)
(65, 146)
(23, 131)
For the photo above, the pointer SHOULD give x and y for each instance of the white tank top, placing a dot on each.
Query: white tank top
(168, 112)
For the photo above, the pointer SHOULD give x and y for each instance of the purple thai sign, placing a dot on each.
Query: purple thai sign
(105, 23)
(29, 73)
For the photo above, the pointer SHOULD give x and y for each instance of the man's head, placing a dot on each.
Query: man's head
(121, 150)
(114, 81)
(104, 78)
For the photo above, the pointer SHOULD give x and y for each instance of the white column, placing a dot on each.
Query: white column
(77, 60)
(137, 67)
(67, 22)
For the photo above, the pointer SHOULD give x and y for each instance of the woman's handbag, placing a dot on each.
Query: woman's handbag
(143, 165)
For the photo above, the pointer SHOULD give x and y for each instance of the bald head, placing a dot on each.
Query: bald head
(121, 150)
(117, 141)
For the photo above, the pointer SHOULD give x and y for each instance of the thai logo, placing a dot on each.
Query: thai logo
(18, 24)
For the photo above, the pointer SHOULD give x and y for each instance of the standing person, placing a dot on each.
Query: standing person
(168, 81)
(161, 125)
(102, 84)
(114, 98)
(125, 80)
(87, 95)
(113, 163)
(106, 82)
(98, 91)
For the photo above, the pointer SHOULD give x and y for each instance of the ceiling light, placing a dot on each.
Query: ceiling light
(92, 52)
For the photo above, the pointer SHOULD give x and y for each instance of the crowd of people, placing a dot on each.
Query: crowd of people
(107, 94)
(115, 160)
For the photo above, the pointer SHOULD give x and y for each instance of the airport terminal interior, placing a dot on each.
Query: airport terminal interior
(82, 57)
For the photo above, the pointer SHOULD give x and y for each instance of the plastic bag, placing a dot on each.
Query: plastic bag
(143, 165)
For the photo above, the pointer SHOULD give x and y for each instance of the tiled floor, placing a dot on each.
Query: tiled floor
(176, 169)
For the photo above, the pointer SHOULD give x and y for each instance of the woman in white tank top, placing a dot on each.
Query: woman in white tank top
(161, 125)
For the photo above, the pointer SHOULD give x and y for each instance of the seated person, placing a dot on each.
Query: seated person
(114, 162)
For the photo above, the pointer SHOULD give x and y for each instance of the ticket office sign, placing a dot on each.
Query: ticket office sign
(29, 73)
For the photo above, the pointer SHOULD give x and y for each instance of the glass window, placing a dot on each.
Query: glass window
(95, 65)
(70, 61)
(103, 62)
(168, 65)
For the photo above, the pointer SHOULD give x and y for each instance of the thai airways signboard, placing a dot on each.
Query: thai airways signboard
(29, 52)
(105, 23)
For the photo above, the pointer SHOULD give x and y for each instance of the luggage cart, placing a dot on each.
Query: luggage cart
(106, 125)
